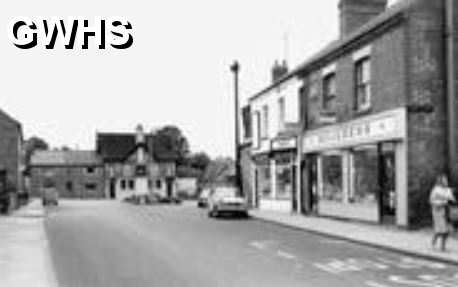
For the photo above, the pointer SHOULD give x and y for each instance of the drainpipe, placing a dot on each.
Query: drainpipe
(450, 71)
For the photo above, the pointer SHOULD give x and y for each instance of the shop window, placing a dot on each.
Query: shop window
(284, 181)
(332, 178)
(365, 175)
(329, 92)
(264, 182)
(363, 84)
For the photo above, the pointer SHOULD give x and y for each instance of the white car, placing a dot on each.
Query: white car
(226, 200)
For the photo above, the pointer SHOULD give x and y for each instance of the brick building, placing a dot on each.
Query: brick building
(136, 163)
(75, 174)
(273, 142)
(11, 160)
(377, 109)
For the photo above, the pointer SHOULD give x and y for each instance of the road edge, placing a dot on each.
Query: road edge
(362, 242)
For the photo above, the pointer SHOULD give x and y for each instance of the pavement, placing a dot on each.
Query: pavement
(24, 250)
(107, 243)
(417, 243)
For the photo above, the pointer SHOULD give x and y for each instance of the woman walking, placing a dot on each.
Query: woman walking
(440, 197)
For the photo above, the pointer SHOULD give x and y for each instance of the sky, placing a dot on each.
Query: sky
(177, 71)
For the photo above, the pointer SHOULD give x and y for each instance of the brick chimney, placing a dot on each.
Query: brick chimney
(356, 13)
(279, 70)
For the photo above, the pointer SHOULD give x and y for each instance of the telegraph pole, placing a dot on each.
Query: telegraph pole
(235, 68)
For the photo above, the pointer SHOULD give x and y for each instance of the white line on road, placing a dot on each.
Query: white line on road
(375, 284)
(285, 255)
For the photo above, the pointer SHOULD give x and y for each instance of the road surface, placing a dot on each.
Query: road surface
(103, 243)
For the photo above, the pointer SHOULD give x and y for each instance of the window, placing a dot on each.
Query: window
(90, 170)
(158, 184)
(263, 178)
(284, 181)
(332, 176)
(365, 161)
(265, 122)
(257, 116)
(90, 186)
(281, 113)
(69, 186)
(329, 92)
(123, 184)
(131, 184)
(362, 84)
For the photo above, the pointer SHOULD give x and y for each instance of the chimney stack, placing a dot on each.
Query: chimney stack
(279, 70)
(356, 13)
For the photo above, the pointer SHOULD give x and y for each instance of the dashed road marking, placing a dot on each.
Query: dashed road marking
(375, 284)
(285, 255)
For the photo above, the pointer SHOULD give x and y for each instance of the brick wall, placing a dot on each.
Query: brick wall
(77, 177)
(427, 138)
(387, 80)
(9, 151)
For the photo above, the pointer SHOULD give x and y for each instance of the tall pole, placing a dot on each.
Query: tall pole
(451, 89)
(235, 68)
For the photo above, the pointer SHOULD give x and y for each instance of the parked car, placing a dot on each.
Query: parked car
(226, 200)
(202, 201)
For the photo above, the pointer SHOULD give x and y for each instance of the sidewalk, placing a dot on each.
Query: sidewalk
(24, 253)
(409, 242)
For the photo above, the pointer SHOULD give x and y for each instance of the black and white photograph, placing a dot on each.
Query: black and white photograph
(229, 143)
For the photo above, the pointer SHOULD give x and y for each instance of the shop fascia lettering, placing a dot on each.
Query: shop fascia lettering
(385, 126)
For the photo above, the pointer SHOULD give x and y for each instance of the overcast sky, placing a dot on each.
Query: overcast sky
(176, 72)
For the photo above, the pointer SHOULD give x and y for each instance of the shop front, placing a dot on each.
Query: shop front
(357, 170)
(274, 180)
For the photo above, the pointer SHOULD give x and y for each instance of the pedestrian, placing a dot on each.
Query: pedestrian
(441, 196)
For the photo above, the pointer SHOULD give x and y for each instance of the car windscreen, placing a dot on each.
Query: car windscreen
(225, 192)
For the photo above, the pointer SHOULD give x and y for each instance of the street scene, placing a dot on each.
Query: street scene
(296, 144)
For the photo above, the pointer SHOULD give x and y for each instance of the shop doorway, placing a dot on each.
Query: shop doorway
(112, 188)
(169, 187)
(312, 174)
(256, 188)
(387, 179)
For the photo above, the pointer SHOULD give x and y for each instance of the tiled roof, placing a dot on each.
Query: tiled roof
(69, 158)
(334, 46)
(116, 147)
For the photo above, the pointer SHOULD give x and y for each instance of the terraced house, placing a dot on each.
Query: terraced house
(11, 161)
(377, 113)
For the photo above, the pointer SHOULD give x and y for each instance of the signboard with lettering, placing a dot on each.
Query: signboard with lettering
(389, 125)
(283, 144)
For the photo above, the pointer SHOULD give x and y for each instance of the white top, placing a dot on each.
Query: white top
(441, 196)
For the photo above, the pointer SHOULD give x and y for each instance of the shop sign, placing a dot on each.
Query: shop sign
(282, 144)
(384, 126)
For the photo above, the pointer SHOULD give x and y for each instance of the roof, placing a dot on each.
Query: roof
(117, 147)
(64, 158)
(391, 13)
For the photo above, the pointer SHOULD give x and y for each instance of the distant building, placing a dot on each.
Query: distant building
(186, 187)
(130, 159)
(11, 159)
(75, 174)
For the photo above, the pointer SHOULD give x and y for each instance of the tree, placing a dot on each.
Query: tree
(220, 170)
(171, 140)
(32, 144)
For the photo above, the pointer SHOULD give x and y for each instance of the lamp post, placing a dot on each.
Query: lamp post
(235, 68)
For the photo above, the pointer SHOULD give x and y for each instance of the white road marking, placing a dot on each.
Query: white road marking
(375, 284)
(285, 255)
(261, 245)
